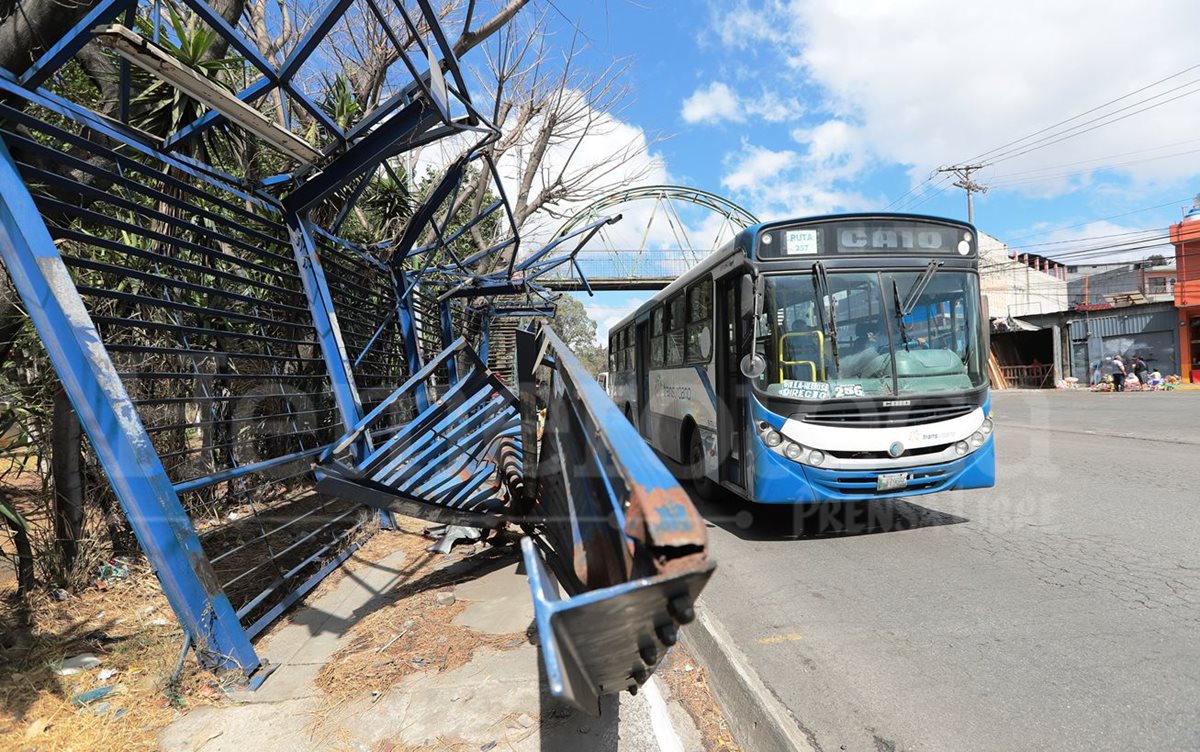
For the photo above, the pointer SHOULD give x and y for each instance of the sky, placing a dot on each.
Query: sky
(1082, 115)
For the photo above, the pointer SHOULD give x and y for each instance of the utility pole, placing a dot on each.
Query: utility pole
(967, 184)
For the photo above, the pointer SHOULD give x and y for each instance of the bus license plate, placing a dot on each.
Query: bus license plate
(891, 481)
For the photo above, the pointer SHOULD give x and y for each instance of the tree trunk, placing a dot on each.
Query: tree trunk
(67, 468)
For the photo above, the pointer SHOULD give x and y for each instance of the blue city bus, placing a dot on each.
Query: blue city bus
(834, 358)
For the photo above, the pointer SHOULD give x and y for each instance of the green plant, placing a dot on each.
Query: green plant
(162, 109)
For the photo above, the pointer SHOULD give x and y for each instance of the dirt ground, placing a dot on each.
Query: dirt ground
(131, 630)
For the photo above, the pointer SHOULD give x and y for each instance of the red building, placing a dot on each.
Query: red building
(1186, 238)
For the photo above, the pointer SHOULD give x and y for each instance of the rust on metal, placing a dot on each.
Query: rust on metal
(664, 520)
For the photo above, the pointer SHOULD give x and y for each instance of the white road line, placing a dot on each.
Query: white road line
(660, 719)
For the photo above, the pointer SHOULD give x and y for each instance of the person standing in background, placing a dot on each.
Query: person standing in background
(1116, 369)
(1140, 369)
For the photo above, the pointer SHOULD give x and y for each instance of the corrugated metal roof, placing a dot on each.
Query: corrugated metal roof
(1126, 321)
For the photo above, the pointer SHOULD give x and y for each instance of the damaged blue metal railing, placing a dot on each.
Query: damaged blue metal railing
(614, 526)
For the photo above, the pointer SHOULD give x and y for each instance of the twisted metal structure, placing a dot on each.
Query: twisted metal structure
(260, 388)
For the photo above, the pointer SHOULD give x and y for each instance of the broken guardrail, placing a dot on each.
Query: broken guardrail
(618, 532)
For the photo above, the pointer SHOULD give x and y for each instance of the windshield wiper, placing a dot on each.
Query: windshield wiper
(821, 282)
(918, 287)
(900, 315)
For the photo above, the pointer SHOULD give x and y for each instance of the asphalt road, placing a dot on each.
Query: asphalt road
(1057, 611)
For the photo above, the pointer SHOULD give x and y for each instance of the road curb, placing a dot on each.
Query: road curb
(758, 719)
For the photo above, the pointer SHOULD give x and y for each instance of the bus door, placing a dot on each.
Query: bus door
(643, 377)
(731, 385)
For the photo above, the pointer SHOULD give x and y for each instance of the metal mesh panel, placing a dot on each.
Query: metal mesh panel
(365, 301)
(194, 289)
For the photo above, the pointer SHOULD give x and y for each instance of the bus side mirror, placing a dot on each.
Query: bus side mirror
(753, 365)
(751, 295)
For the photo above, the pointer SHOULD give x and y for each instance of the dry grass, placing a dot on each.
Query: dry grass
(689, 685)
(132, 629)
(412, 633)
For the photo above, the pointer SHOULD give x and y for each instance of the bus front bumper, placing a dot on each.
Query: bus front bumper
(781, 481)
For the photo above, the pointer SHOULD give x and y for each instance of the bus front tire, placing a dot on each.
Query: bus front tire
(694, 470)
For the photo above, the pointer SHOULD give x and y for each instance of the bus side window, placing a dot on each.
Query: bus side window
(657, 331)
(699, 322)
(675, 330)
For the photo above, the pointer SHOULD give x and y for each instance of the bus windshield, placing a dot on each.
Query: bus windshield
(853, 334)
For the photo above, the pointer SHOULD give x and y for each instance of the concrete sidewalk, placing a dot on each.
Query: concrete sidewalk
(496, 699)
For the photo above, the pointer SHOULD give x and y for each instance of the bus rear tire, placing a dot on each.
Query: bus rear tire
(694, 470)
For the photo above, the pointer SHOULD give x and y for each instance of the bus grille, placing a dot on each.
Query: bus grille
(916, 452)
(887, 417)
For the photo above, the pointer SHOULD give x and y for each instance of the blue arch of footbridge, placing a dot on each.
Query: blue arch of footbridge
(635, 266)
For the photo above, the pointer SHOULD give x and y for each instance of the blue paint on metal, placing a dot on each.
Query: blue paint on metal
(446, 319)
(442, 459)
(276, 611)
(398, 131)
(112, 424)
(135, 140)
(250, 51)
(329, 334)
(73, 41)
(408, 331)
(237, 472)
(630, 547)
(645, 612)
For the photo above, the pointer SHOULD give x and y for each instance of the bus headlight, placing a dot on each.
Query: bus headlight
(961, 448)
(793, 450)
(976, 440)
(986, 428)
(772, 438)
(816, 457)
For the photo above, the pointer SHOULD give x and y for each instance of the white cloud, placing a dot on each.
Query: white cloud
(792, 183)
(757, 165)
(608, 314)
(712, 105)
(931, 82)
(718, 103)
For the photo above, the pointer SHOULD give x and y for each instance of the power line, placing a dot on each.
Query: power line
(990, 152)
(1175, 202)
(932, 194)
(933, 189)
(1042, 178)
(1002, 176)
(902, 196)
(1063, 136)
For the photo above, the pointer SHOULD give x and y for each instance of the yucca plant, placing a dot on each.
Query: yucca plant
(340, 102)
(162, 109)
